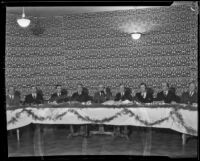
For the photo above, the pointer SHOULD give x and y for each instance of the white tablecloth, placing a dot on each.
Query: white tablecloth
(181, 120)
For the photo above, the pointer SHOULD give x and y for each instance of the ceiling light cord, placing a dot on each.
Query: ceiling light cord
(23, 14)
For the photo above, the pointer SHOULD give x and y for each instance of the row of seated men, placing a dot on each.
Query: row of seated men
(146, 95)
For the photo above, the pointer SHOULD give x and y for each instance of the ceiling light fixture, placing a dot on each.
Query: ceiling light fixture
(135, 36)
(23, 22)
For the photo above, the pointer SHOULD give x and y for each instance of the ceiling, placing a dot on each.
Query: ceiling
(59, 11)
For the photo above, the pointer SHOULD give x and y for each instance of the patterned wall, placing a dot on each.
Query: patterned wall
(92, 48)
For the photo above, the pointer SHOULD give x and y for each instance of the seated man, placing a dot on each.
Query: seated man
(100, 96)
(144, 96)
(166, 95)
(80, 95)
(12, 99)
(191, 96)
(108, 93)
(123, 94)
(34, 97)
(59, 96)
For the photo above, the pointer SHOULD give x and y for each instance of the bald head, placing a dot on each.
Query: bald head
(100, 87)
(192, 87)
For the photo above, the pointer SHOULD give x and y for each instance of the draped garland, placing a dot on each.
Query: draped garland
(174, 114)
(92, 48)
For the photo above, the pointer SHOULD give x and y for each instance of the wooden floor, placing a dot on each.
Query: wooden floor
(142, 141)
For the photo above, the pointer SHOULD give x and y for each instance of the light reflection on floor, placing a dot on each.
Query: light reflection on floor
(55, 142)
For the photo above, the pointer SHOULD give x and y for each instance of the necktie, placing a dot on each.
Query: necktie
(34, 96)
(191, 93)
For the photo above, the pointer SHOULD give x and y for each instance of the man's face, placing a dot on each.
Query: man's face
(11, 90)
(58, 89)
(121, 89)
(79, 89)
(100, 87)
(191, 87)
(142, 88)
(164, 86)
(33, 90)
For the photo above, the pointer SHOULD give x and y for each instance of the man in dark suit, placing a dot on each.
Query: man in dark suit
(80, 95)
(13, 97)
(191, 96)
(123, 94)
(100, 96)
(166, 95)
(34, 97)
(108, 93)
(144, 96)
(59, 96)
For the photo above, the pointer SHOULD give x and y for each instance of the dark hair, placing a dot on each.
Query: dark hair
(192, 82)
(121, 85)
(11, 87)
(166, 84)
(58, 85)
(34, 86)
(143, 84)
(79, 84)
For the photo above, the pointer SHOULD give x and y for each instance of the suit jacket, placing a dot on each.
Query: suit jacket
(109, 96)
(124, 97)
(186, 98)
(99, 98)
(171, 96)
(13, 102)
(30, 100)
(59, 99)
(147, 99)
(83, 97)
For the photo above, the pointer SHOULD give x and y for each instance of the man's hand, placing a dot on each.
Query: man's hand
(195, 104)
(173, 102)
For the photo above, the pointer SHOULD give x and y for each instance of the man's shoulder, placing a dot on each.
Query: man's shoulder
(54, 94)
(185, 93)
(75, 93)
(28, 95)
(96, 93)
(161, 92)
(138, 93)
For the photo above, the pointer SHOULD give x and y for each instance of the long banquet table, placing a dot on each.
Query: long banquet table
(177, 117)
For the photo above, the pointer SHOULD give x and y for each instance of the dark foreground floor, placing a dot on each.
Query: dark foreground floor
(142, 141)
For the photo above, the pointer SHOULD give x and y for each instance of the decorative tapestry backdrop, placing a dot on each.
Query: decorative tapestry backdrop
(93, 48)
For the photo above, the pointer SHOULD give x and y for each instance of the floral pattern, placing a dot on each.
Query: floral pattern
(93, 48)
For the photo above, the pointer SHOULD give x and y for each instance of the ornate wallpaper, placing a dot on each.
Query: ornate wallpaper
(93, 48)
